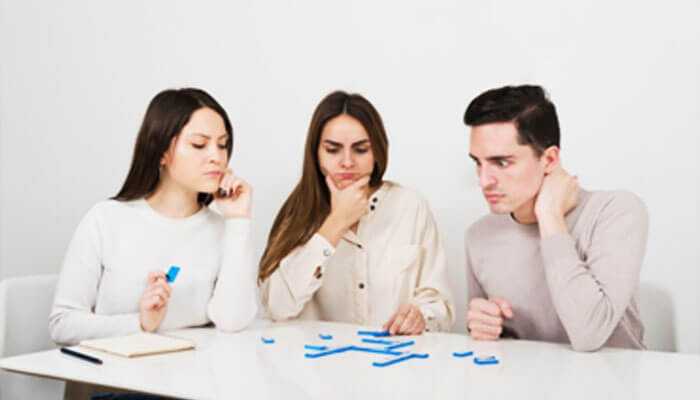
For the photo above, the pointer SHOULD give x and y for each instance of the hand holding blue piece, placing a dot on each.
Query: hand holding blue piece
(172, 273)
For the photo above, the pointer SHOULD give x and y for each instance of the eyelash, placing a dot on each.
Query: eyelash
(359, 151)
(201, 146)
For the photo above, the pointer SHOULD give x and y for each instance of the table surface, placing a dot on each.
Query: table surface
(226, 366)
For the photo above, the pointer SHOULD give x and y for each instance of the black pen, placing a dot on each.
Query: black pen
(81, 356)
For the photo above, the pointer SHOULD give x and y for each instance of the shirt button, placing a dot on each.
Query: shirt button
(327, 252)
(374, 200)
(371, 207)
(359, 246)
(361, 285)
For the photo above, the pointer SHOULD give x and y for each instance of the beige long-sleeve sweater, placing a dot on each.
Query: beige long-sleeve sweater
(396, 257)
(581, 287)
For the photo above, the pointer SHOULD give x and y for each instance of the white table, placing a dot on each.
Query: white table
(228, 366)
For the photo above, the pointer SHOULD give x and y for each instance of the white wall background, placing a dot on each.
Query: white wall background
(76, 76)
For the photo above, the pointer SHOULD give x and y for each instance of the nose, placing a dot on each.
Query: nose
(486, 178)
(216, 155)
(347, 161)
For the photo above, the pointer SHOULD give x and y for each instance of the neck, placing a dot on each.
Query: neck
(526, 213)
(172, 200)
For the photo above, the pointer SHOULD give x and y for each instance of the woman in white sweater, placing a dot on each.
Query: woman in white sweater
(348, 246)
(113, 277)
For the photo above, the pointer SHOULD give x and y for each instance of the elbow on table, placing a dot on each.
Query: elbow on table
(235, 321)
(589, 340)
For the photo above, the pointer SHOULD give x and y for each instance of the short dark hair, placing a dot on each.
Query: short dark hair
(168, 112)
(527, 106)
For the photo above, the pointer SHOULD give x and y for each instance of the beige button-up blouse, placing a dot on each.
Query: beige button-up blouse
(396, 257)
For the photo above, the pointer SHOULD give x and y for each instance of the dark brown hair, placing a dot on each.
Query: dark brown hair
(308, 205)
(168, 112)
(527, 106)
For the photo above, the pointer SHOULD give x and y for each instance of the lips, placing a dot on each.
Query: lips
(345, 176)
(493, 197)
(214, 174)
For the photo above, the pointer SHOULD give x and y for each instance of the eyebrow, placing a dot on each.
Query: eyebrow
(358, 143)
(225, 135)
(494, 158)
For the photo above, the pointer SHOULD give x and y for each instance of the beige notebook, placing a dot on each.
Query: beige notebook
(139, 344)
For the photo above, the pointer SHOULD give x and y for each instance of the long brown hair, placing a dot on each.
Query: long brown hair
(308, 205)
(166, 115)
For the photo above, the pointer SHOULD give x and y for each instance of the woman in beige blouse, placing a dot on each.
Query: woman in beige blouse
(348, 246)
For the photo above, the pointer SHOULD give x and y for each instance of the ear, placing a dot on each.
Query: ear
(550, 159)
(168, 155)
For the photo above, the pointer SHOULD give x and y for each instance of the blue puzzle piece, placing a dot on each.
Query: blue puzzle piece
(325, 337)
(463, 354)
(398, 360)
(485, 361)
(374, 333)
(172, 273)
(318, 348)
(267, 341)
(400, 345)
(328, 352)
(376, 351)
(378, 341)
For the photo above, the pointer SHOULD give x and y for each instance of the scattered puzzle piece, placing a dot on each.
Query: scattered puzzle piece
(463, 354)
(398, 360)
(267, 341)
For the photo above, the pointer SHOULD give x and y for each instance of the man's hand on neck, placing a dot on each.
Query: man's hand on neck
(557, 197)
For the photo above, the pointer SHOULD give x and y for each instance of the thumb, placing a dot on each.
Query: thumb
(331, 185)
(504, 305)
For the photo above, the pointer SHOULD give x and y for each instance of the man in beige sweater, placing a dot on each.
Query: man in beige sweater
(552, 261)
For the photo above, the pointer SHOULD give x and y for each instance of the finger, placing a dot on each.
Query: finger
(153, 276)
(485, 306)
(331, 184)
(419, 327)
(484, 318)
(477, 326)
(398, 321)
(505, 306)
(360, 183)
(478, 329)
(388, 323)
(482, 336)
(410, 320)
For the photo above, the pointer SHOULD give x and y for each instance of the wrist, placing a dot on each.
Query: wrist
(333, 229)
(551, 224)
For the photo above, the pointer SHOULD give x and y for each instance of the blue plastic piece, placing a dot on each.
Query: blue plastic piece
(328, 352)
(376, 351)
(378, 341)
(398, 360)
(325, 337)
(172, 273)
(374, 333)
(485, 361)
(400, 345)
(267, 341)
(318, 348)
(463, 354)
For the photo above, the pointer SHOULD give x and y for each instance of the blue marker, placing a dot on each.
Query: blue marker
(374, 333)
(267, 341)
(400, 345)
(464, 354)
(485, 361)
(398, 360)
(172, 273)
(325, 337)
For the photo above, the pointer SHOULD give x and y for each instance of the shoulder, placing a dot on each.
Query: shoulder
(616, 202)
(406, 196)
